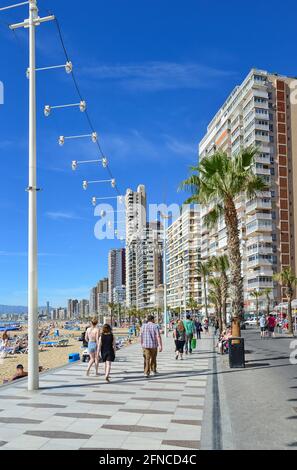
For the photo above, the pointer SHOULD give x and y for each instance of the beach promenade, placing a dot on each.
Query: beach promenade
(72, 411)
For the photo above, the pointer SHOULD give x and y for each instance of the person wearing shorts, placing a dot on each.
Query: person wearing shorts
(92, 337)
(263, 326)
(271, 322)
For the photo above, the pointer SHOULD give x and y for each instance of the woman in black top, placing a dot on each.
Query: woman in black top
(107, 348)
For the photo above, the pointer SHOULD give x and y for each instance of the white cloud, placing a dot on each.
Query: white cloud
(63, 216)
(157, 76)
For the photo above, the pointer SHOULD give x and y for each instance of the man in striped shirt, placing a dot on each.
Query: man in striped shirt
(150, 341)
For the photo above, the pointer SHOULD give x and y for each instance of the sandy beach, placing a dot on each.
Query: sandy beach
(50, 357)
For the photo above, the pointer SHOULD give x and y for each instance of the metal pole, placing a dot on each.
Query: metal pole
(165, 280)
(185, 286)
(33, 379)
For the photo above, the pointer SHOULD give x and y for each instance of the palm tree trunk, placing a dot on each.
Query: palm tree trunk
(257, 311)
(224, 299)
(268, 304)
(290, 318)
(205, 296)
(234, 255)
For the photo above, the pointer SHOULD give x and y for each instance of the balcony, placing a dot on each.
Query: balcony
(259, 261)
(259, 239)
(266, 160)
(260, 284)
(259, 226)
(258, 204)
(260, 250)
(259, 217)
(265, 148)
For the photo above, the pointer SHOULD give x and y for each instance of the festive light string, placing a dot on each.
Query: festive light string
(82, 99)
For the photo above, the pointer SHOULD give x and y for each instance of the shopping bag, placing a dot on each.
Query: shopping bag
(194, 343)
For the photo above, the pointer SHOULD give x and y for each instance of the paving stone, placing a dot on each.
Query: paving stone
(41, 405)
(58, 434)
(122, 427)
(83, 415)
(184, 444)
(145, 411)
(15, 420)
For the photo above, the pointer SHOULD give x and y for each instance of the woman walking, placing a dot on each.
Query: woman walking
(107, 349)
(179, 334)
(92, 337)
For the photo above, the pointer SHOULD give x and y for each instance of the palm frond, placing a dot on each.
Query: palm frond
(213, 216)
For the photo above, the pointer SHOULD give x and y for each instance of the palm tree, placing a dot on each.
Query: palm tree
(217, 182)
(266, 293)
(256, 294)
(216, 293)
(204, 271)
(192, 305)
(287, 279)
(220, 264)
(111, 307)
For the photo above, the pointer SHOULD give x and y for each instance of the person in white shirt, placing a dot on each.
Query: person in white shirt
(263, 326)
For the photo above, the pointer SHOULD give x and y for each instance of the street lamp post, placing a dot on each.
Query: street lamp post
(165, 217)
(33, 362)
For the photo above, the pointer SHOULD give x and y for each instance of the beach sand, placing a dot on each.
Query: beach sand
(51, 357)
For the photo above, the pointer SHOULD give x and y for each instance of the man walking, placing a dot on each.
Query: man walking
(263, 326)
(150, 342)
(190, 329)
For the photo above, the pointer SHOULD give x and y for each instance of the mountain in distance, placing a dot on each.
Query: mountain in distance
(17, 309)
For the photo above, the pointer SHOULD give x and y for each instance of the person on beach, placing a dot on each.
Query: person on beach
(92, 337)
(150, 339)
(20, 373)
(179, 334)
(190, 330)
(107, 349)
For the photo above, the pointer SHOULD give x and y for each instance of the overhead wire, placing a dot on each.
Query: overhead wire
(90, 122)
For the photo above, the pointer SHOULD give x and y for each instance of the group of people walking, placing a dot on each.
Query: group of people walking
(267, 325)
(102, 344)
(101, 347)
(184, 335)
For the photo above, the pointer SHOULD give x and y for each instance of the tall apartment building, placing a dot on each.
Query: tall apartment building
(99, 297)
(260, 113)
(119, 295)
(83, 308)
(93, 303)
(72, 308)
(116, 270)
(103, 296)
(135, 202)
(149, 263)
(183, 258)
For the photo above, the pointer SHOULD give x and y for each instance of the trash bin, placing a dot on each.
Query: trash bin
(236, 353)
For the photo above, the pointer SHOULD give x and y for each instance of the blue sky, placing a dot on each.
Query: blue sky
(153, 73)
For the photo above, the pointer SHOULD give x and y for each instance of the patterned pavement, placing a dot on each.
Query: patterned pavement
(72, 411)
